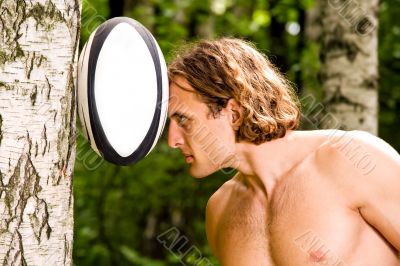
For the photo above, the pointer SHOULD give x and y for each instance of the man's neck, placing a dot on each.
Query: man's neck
(264, 165)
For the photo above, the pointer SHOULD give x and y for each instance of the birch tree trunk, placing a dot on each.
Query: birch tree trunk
(38, 55)
(349, 69)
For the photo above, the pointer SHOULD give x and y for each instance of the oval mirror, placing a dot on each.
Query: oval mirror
(122, 93)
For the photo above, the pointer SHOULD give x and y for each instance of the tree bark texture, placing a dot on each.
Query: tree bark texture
(349, 64)
(38, 59)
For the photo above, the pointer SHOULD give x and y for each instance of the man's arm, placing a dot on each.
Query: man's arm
(371, 176)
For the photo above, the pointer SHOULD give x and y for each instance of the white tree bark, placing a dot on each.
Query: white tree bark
(38, 56)
(349, 70)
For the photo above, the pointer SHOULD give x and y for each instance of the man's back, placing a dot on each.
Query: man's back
(310, 217)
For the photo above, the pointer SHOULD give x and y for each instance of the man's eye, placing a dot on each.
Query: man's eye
(182, 120)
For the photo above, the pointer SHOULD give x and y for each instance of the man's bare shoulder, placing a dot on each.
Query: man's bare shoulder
(219, 197)
(366, 169)
(225, 207)
(236, 223)
(215, 206)
(356, 161)
(358, 151)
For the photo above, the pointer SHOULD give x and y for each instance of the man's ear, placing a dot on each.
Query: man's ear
(235, 113)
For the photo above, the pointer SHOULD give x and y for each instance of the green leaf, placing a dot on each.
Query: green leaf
(261, 17)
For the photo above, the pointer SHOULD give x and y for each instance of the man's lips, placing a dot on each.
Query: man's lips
(189, 158)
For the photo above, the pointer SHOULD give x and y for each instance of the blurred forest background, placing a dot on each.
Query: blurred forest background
(120, 211)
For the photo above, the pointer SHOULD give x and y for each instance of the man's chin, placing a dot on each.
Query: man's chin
(199, 173)
(196, 175)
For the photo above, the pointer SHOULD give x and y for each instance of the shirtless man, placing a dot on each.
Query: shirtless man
(325, 197)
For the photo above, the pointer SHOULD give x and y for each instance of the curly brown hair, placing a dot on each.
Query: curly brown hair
(219, 70)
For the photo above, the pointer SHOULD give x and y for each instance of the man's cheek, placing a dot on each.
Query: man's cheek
(202, 137)
(189, 129)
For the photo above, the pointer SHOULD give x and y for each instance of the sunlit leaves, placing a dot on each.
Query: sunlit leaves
(261, 17)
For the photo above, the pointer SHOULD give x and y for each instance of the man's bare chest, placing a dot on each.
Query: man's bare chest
(309, 222)
(306, 221)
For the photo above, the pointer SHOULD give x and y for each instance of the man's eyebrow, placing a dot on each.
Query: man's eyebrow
(177, 113)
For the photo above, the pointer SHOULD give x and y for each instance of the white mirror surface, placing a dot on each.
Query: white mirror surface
(125, 89)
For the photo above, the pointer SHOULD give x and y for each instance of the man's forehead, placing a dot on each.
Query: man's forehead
(181, 83)
(183, 98)
(179, 94)
(176, 105)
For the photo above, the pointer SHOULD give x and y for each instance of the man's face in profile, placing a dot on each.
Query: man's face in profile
(206, 142)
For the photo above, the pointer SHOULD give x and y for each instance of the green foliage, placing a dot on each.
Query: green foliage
(389, 59)
(120, 211)
(93, 14)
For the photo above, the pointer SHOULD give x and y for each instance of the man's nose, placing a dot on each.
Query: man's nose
(175, 138)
